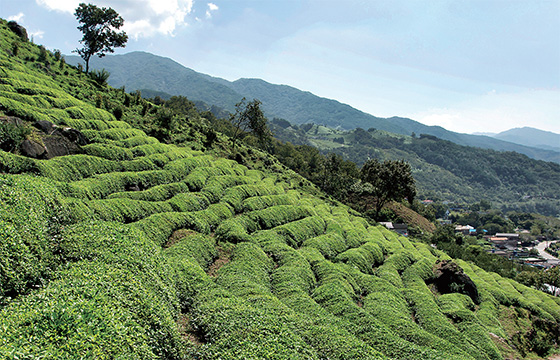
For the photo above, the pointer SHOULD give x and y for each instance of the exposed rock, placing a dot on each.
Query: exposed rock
(45, 126)
(18, 30)
(449, 278)
(132, 187)
(74, 136)
(60, 141)
(60, 146)
(32, 149)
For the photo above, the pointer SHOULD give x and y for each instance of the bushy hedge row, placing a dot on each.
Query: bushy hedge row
(155, 193)
(17, 164)
(197, 179)
(236, 195)
(216, 186)
(296, 232)
(116, 301)
(337, 296)
(100, 186)
(365, 257)
(31, 218)
(24, 111)
(159, 227)
(429, 316)
(391, 308)
(292, 282)
(238, 229)
(112, 134)
(330, 244)
(126, 210)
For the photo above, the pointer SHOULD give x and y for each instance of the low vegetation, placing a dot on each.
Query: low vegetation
(137, 248)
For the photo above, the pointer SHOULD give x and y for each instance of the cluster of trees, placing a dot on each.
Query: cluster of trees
(445, 170)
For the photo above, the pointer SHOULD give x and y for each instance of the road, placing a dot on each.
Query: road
(541, 246)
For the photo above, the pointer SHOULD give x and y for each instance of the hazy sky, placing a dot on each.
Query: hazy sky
(467, 65)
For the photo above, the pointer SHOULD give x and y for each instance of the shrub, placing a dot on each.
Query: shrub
(100, 77)
(11, 136)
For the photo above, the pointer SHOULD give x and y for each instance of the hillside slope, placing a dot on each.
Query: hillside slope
(139, 70)
(142, 250)
(444, 170)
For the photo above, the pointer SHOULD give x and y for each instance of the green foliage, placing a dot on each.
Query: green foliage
(31, 217)
(249, 117)
(441, 169)
(98, 26)
(206, 258)
(390, 180)
(100, 77)
(120, 296)
(11, 136)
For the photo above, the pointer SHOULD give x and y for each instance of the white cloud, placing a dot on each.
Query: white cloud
(68, 6)
(37, 34)
(496, 112)
(142, 18)
(211, 7)
(16, 18)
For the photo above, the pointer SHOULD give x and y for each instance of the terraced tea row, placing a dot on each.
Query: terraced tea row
(143, 250)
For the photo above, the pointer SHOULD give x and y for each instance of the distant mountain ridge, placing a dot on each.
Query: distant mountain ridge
(142, 70)
(531, 137)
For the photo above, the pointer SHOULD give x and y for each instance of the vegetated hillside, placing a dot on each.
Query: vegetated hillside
(139, 70)
(444, 170)
(531, 137)
(131, 248)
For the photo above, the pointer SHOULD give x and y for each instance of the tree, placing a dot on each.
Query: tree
(99, 27)
(249, 117)
(390, 180)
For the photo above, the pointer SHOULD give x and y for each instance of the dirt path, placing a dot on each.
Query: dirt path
(223, 258)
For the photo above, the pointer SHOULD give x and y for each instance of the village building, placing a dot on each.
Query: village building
(401, 229)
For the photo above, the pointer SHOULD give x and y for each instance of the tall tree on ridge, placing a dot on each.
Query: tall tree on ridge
(99, 27)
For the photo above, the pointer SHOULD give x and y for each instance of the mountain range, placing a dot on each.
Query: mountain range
(531, 137)
(148, 73)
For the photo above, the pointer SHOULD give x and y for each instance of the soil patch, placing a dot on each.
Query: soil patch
(222, 259)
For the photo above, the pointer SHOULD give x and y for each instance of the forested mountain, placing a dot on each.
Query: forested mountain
(116, 245)
(442, 169)
(139, 70)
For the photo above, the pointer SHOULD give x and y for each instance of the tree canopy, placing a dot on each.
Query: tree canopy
(248, 116)
(99, 26)
(389, 180)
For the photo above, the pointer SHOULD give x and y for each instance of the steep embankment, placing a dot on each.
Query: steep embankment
(92, 265)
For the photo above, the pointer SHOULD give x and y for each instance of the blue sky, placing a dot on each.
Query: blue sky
(467, 65)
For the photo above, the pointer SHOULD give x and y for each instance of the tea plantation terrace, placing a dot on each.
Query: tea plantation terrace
(136, 249)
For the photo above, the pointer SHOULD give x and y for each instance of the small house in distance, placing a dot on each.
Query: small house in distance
(465, 230)
(499, 241)
(401, 229)
(508, 236)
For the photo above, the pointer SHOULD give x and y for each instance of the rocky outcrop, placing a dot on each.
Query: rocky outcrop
(449, 278)
(60, 141)
(33, 149)
(18, 30)
(46, 142)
